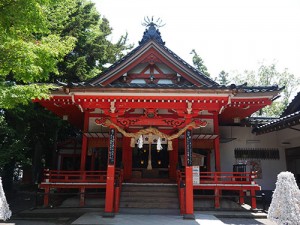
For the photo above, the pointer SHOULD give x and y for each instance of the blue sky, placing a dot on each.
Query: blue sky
(229, 35)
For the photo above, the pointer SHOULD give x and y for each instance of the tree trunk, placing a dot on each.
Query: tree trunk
(8, 175)
(53, 165)
(37, 167)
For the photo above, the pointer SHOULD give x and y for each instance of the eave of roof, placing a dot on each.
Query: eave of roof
(279, 124)
(293, 106)
(150, 38)
(241, 89)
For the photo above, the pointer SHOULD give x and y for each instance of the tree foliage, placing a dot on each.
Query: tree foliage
(92, 49)
(41, 41)
(223, 78)
(28, 51)
(199, 63)
(267, 75)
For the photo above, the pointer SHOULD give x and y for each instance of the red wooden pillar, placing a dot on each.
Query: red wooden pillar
(189, 195)
(127, 158)
(217, 143)
(173, 159)
(253, 199)
(84, 142)
(217, 198)
(242, 200)
(46, 196)
(110, 177)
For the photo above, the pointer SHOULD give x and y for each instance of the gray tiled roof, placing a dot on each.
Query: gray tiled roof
(153, 34)
(240, 88)
(290, 117)
(293, 106)
(279, 123)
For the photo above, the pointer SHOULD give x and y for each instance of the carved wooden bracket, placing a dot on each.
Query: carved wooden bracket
(200, 123)
(151, 59)
(174, 123)
(150, 113)
(127, 122)
(100, 121)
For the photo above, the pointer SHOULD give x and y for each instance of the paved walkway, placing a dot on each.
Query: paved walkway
(95, 218)
(127, 219)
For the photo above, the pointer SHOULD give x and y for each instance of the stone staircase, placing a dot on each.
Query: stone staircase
(149, 198)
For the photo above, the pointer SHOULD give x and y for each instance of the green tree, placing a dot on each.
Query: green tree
(223, 78)
(267, 75)
(42, 40)
(199, 64)
(29, 52)
(92, 49)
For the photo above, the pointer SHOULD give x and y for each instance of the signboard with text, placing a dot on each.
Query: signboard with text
(196, 174)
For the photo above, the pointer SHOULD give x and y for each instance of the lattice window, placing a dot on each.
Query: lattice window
(256, 153)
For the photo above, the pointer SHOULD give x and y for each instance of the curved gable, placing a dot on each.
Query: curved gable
(152, 55)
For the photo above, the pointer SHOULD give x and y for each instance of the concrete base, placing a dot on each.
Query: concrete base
(189, 217)
(108, 215)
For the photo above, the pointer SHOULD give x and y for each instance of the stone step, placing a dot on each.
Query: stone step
(149, 199)
(147, 188)
(149, 194)
(136, 211)
(143, 205)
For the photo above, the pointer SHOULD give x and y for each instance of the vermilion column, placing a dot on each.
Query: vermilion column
(127, 158)
(84, 142)
(217, 143)
(189, 195)
(110, 177)
(173, 159)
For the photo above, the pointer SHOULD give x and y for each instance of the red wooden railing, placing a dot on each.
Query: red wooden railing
(55, 176)
(82, 180)
(222, 177)
(218, 181)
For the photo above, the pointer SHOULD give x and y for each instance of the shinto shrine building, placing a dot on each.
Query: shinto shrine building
(152, 119)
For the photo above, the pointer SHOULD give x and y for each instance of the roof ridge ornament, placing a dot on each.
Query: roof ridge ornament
(152, 32)
(147, 22)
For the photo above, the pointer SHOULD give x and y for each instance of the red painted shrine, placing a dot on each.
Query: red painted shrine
(151, 117)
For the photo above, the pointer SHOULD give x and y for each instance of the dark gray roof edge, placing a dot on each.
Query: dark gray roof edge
(295, 103)
(198, 75)
(279, 123)
(243, 88)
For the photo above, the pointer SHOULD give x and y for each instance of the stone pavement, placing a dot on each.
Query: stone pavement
(127, 219)
(92, 217)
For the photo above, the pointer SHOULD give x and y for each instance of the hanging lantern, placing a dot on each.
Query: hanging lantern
(159, 146)
(140, 142)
